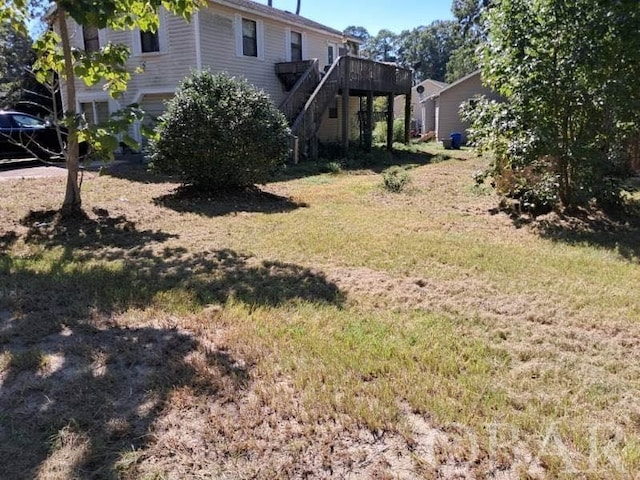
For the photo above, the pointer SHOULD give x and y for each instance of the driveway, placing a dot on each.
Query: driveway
(30, 168)
(16, 169)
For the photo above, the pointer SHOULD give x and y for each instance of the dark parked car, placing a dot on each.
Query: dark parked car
(23, 135)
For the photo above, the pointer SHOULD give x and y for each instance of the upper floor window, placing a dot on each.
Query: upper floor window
(91, 38)
(249, 38)
(296, 46)
(149, 42)
(331, 54)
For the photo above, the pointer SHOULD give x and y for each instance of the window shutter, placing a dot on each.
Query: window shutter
(260, 35)
(238, 34)
(102, 37)
(135, 41)
(305, 53)
(162, 32)
(287, 45)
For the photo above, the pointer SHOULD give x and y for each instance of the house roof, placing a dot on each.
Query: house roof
(436, 83)
(442, 85)
(453, 85)
(279, 14)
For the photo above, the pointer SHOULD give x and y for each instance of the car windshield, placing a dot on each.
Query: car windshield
(28, 121)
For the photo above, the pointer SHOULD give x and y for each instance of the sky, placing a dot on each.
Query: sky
(374, 15)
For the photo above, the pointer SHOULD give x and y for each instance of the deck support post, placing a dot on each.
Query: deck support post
(407, 118)
(368, 129)
(314, 147)
(390, 121)
(345, 105)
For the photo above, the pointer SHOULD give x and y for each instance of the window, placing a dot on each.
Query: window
(333, 109)
(296, 46)
(95, 112)
(149, 42)
(27, 121)
(249, 38)
(91, 39)
(330, 54)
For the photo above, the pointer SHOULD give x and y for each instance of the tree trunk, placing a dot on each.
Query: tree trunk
(72, 202)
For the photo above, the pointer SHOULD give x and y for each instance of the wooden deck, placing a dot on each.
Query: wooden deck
(313, 92)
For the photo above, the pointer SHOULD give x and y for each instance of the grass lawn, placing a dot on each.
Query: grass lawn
(319, 328)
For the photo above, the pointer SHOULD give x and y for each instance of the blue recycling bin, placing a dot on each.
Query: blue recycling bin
(456, 140)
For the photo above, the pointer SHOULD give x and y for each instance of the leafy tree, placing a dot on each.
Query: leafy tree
(468, 14)
(427, 49)
(55, 57)
(220, 132)
(359, 33)
(382, 47)
(470, 33)
(568, 72)
(15, 59)
(18, 86)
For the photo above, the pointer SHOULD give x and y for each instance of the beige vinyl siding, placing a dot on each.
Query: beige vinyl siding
(218, 48)
(450, 99)
(215, 27)
(162, 71)
(429, 115)
(317, 47)
(154, 106)
(331, 128)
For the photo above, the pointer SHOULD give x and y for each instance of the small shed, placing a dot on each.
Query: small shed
(441, 111)
(419, 92)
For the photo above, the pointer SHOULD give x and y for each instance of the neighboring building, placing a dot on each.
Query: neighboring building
(423, 90)
(442, 109)
(271, 48)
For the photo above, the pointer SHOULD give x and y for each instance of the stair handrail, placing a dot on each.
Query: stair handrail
(311, 110)
(297, 96)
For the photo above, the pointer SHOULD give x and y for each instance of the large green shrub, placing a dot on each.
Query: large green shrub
(219, 132)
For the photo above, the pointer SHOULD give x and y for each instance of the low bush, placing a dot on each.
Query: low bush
(219, 132)
(395, 179)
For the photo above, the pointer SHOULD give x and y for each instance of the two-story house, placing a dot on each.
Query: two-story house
(308, 69)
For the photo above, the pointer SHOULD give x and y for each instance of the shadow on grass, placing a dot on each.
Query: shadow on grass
(81, 403)
(619, 232)
(120, 267)
(7, 239)
(378, 160)
(216, 204)
(47, 228)
(137, 172)
(79, 391)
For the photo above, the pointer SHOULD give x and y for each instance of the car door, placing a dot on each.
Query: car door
(36, 135)
(8, 138)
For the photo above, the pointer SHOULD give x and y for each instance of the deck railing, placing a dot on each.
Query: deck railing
(375, 76)
(353, 73)
(299, 94)
(308, 121)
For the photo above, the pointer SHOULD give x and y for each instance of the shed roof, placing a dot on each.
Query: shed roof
(453, 85)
